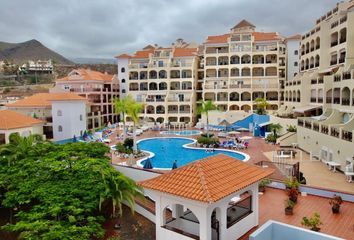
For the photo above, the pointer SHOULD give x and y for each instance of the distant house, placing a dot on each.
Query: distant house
(14, 122)
(39, 66)
(64, 114)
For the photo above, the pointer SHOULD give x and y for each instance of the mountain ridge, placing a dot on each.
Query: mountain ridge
(22, 52)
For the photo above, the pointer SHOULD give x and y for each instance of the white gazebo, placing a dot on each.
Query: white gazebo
(213, 198)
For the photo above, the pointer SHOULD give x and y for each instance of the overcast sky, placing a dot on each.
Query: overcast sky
(104, 28)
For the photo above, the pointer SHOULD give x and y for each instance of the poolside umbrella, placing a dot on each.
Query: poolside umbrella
(242, 129)
(74, 139)
(224, 123)
(85, 135)
(174, 165)
(148, 164)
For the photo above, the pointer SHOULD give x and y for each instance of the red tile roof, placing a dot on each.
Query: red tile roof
(208, 180)
(244, 23)
(143, 53)
(294, 37)
(185, 52)
(44, 100)
(12, 120)
(266, 36)
(123, 56)
(87, 75)
(218, 39)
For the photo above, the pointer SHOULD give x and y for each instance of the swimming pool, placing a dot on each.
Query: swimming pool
(167, 150)
(182, 133)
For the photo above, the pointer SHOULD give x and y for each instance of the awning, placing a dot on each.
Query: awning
(305, 108)
(264, 124)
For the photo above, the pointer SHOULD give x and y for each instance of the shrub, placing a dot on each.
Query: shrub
(291, 128)
(313, 222)
(122, 149)
(205, 135)
(128, 143)
(208, 141)
(271, 138)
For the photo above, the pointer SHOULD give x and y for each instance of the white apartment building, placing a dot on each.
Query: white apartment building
(243, 65)
(164, 79)
(325, 85)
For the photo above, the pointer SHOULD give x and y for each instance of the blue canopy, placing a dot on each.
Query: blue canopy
(174, 165)
(148, 164)
(74, 139)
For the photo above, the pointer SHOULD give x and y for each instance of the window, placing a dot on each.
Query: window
(296, 52)
(123, 80)
(59, 113)
(123, 90)
(80, 117)
(60, 128)
(122, 70)
(295, 64)
(66, 87)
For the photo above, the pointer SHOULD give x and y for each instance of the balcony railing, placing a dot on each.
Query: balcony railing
(347, 135)
(337, 78)
(313, 99)
(334, 62)
(300, 122)
(328, 100)
(341, 60)
(334, 132)
(336, 100)
(324, 129)
(320, 100)
(308, 125)
(334, 43)
(316, 127)
(346, 75)
(345, 101)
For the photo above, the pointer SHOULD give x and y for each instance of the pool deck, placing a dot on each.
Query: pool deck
(316, 173)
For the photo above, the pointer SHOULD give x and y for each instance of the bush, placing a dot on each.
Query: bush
(271, 138)
(128, 143)
(122, 149)
(291, 128)
(208, 141)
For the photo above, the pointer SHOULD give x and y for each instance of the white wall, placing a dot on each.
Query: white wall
(123, 63)
(292, 45)
(69, 119)
(23, 132)
(284, 122)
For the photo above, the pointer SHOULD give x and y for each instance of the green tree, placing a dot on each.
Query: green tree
(261, 104)
(134, 111)
(63, 191)
(205, 108)
(275, 128)
(121, 107)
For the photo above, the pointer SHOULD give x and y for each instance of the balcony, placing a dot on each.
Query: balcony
(328, 100)
(300, 122)
(345, 101)
(346, 76)
(313, 99)
(308, 124)
(316, 127)
(341, 60)
(334, 132)
(324, 129)
(347, 135)
(337, 78)
(335, 43)
(313, 81)
(333, 61)
(342, 39)
(336, 100)
(320, 100)
(320, 81)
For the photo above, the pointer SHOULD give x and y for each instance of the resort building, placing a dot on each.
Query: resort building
(13, 122)
(98, 88)
(243, 65)
(325, 86)
(164, 79)
(63, 114)
(38, 66)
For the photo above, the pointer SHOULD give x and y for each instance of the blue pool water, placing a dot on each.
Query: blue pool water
(167, 150)
(182, 133)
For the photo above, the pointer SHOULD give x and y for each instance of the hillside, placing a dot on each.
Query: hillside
(29, 50)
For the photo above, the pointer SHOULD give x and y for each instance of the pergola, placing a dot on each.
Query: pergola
(213, 198)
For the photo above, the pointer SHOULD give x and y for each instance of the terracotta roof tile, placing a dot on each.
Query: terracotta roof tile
(185, 52)
(294, 37)
(266, 36)
(243, 23)
(87, 75)
(143, 54)
(44, 100)
(123, 56)
(11, 120)
(209, 179)
(218, 39)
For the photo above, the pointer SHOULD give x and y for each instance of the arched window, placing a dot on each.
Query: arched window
(59, 113)
(296, 52)
(80, 117)
(123, 80)
(123, 90)
(122, 70)
(60, 128)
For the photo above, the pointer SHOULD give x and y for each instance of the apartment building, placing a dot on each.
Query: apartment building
(325, 85)
(39, 66)
(98, 88)
(163, 79)
(243, 65)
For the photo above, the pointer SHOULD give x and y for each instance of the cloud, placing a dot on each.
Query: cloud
(79, 28)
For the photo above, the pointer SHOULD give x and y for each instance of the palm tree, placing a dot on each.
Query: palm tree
(275, 128)
(18, 147)
(121, 107)
(133, 111)
(204, 108)
(261, 104)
